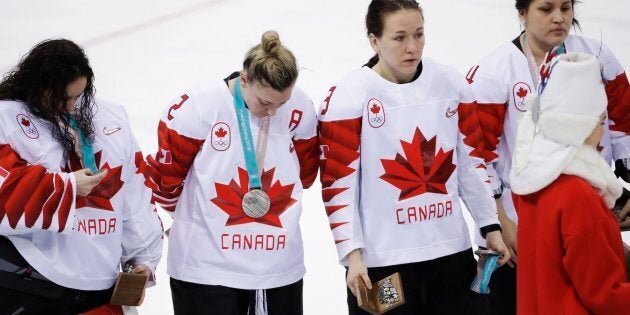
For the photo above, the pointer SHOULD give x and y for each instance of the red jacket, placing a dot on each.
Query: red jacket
(570, 253)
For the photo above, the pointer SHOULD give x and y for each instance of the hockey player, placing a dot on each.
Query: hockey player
(73, 205)
(500, 84)
(234, 156)
(400, 145)
(571, 254)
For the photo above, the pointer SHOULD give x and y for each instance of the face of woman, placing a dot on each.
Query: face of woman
(596, 135)
(73, 91)
(547, 22)
(263, 100)
(400, 46)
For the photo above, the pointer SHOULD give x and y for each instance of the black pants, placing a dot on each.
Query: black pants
(70, 301)
(21, 294)
(193, 298)
(503, 290)
(435, 287)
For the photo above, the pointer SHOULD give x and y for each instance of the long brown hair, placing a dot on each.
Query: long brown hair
(40, 80)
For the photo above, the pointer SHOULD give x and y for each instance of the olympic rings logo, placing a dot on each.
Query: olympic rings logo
(376, 119)
(221, 143)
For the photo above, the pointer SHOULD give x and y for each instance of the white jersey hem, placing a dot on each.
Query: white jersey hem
(237, 281)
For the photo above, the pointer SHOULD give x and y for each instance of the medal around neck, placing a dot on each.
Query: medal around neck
(256, 203)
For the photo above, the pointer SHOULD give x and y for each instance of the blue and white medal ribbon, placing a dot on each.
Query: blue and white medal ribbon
(256, 202)
(486, 265)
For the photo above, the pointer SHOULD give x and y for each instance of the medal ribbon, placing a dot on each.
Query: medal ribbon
(86, 146)
(531, 61)
(251, 160)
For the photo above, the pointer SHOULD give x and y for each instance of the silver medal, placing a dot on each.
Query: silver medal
(256, 203)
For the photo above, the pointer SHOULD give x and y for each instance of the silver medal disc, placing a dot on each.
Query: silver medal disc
(256, 203)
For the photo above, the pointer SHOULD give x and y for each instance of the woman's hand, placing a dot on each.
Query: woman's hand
(86, 181)
(357, 271)
(494, 241)
(509, 233)
(143, 270)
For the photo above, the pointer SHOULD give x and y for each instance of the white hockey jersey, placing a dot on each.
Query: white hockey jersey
(75, 241)
(395, 160)
(501, 83)
(199, 175)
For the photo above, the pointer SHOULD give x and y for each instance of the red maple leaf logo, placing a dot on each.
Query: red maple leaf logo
(375, 109)
(100, 197)
(230, 197)
(25, 122)
(421, 170)
(521, 92)
(220, 133)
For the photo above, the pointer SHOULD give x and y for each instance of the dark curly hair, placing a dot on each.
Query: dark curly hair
(40, 81)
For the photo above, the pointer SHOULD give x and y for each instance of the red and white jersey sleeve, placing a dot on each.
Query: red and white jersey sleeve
(114, 223)
(305, 142)
(33, 197)
(396, 160)
(212, 241)
(179, 140)
(340, 121)
(473, 179)
(618, 92)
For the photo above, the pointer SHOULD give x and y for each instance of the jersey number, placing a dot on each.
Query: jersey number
(296, 117)
(177, 106)
(327, 100)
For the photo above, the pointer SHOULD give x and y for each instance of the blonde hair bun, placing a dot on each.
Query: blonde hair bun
(270, 63)
(270, 42)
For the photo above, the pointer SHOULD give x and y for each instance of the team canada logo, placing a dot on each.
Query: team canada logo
(376, 113)
(520, 92)
(27, 126)
(221, 137)
(420, 170)
(230, 198)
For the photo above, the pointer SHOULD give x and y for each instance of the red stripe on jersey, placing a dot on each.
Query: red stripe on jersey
(166, 177)
(340, 241)
(29, 190)
(33, 207)
(491, 118)
(332, 209)
(330, 193)
(618, 92)
(336, 225)
(141, 164)
(307, 151)
(64, 208)
(50, 206)
(471, 128)
(342, 139)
